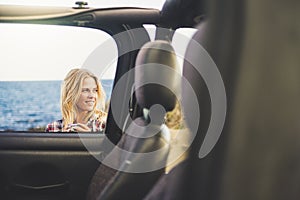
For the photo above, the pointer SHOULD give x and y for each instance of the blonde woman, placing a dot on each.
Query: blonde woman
(82, 104)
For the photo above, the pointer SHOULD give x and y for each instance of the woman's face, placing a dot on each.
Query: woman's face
(88, 95)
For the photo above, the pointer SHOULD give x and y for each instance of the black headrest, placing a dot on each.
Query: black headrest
(157, 78)
(178, 13)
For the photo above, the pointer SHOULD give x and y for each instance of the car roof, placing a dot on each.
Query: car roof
(17, 12)
(93, 4)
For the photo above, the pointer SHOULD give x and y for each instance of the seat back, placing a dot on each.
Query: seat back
(210, 64)
(145, 143)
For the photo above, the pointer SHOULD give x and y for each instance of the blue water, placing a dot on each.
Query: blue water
(32, 104)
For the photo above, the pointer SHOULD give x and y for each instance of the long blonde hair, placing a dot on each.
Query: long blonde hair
(70, 93)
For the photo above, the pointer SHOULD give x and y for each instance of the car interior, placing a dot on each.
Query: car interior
(227, 69)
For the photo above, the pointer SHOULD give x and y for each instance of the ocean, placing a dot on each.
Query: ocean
(26, 105)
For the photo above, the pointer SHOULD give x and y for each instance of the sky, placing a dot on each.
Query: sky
(43, 52)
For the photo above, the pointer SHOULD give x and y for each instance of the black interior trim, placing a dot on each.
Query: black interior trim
(48, 141)
(75, 17)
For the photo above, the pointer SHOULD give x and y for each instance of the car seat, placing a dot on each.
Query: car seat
(195, 177)
(156, 83)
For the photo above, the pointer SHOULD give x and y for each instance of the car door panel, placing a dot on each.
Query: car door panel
(47, 167)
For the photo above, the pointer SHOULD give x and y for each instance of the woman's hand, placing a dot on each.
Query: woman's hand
(79, 128)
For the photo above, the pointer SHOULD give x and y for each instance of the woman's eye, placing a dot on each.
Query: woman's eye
(85, 90)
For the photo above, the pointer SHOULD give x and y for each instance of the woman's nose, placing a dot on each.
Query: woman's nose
(91, 94)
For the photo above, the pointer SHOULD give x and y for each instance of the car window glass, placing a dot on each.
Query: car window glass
(34, 61)
(151, 30)
(180, 40)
